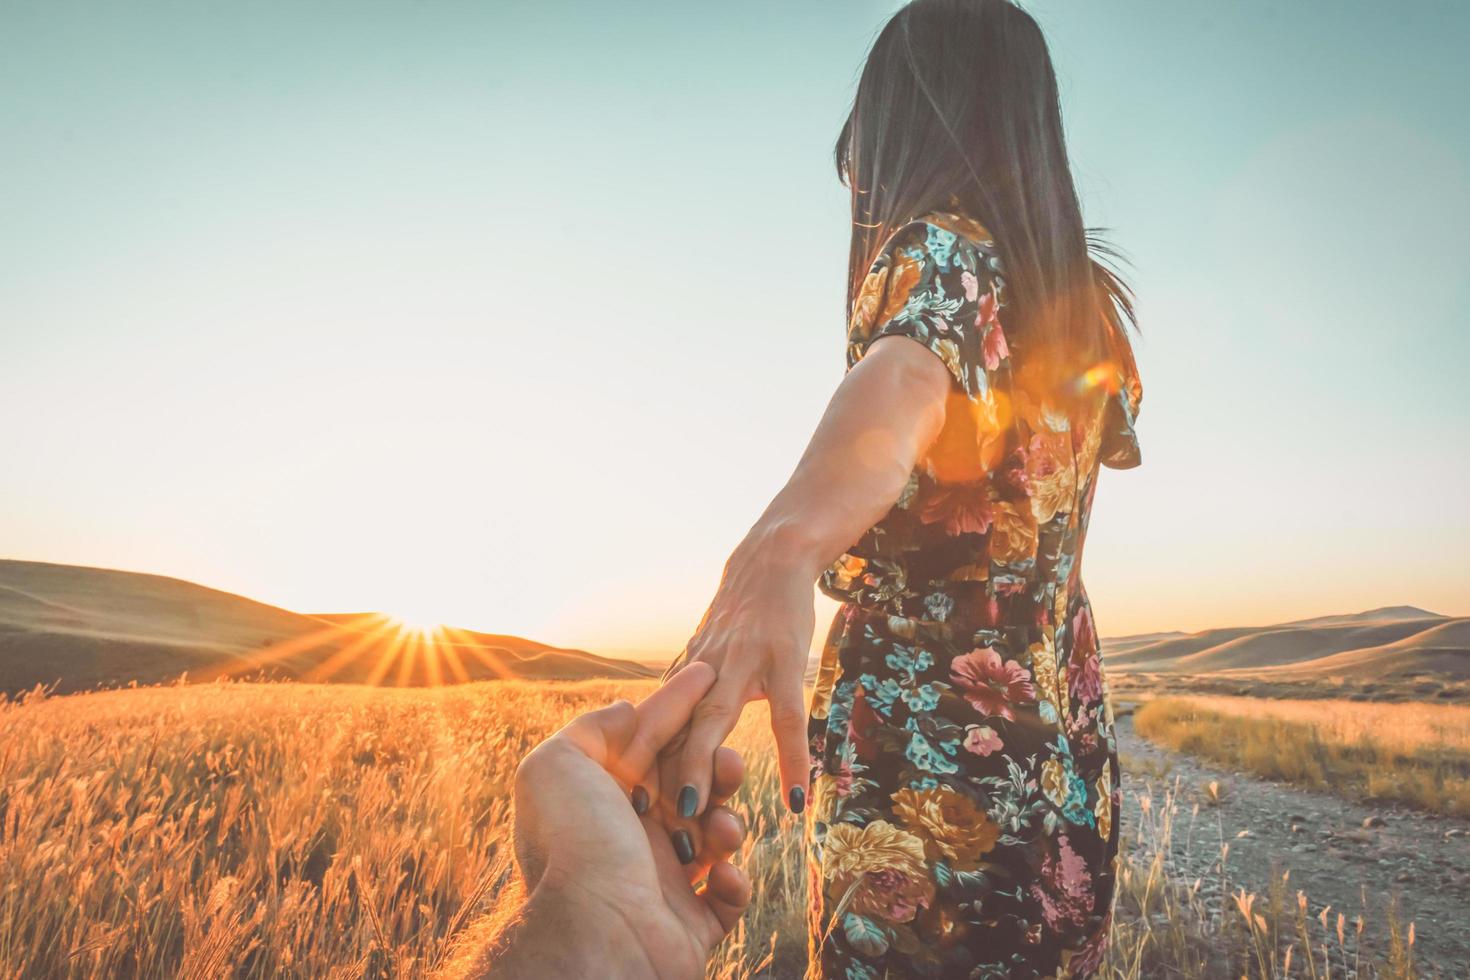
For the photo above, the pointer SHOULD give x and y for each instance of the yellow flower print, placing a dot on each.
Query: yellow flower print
(881, 865)
(1064, 696)
(1054, 781)
(990, 413)
(865, 306)
(1044, 670)
(1103, 808)
(826, 679)
(846, 570)
(903, 628)
(950, 824)
(1051, 474)
(1091, 441)
(901, 281)
(824, 798)
(1060, 696)
(1014, 535)
(970, 573)
(949, 353)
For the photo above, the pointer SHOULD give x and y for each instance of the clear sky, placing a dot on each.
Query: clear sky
(515, 315)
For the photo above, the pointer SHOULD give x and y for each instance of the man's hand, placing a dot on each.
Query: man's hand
(609, 892)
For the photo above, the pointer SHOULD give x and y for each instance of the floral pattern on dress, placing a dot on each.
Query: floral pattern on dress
(965, 783)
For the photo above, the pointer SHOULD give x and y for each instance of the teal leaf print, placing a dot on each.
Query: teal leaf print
(865, 935)
(923, 755)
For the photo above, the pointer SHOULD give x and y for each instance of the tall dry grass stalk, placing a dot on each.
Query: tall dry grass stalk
(250, 830)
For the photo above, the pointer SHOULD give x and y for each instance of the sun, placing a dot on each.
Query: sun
(417, 625)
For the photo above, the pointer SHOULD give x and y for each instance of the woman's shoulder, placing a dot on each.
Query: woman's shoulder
(954, 240)
(942, 235)
(961, 225)
(938, 280)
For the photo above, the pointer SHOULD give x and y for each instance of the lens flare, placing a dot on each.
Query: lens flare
(1100, 375)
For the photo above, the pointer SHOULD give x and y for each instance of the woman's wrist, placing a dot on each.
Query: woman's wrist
(782, 548)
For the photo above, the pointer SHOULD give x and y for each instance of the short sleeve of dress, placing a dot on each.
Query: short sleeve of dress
(1119, 448)
(942, 289)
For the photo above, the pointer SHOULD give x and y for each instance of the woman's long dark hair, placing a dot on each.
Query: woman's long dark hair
(957, 109)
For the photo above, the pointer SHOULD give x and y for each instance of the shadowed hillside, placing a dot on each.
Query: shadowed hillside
(1396, 643)
(1443, 648)
(84, 627)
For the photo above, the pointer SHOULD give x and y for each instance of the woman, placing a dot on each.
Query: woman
(962, 765)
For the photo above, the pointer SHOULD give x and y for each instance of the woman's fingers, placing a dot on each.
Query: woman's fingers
(717, 835)
(661, 717)
(719, 832)
(712, 720)
(788, 724)
(725, 780)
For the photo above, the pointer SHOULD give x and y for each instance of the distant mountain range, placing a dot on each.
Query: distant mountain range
(1394, 642)
(81, 628)
(86, 627)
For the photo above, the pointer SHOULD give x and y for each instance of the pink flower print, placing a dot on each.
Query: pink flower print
(1065, 889)
(994, 348)
(893, 890)
(991, 685)
(971, 284)
(962, 509)
(987, 313)
(981, 739)
(1084, 677)
(1083, 637)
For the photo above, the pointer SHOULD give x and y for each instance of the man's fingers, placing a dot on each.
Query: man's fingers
(727, 893)
(601, 735)
(713, 719)
(788, 724)
(714, 837)
(722, 831)
(661, 716)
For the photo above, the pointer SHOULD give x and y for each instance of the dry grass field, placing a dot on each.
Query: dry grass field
(294, 830)
(1417, 754)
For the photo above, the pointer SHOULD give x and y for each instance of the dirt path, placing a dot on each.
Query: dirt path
(1337, 849)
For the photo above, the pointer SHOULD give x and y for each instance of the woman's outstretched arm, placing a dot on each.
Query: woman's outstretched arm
(757, 631)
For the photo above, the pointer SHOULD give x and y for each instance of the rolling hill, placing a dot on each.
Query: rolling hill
(81, 628)
(1394, 642)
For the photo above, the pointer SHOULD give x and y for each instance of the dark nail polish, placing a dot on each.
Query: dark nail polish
(640, 800)
(688, 800)
(797, 799)
(683, 846)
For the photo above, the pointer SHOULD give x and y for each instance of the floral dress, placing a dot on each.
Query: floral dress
(965, 774)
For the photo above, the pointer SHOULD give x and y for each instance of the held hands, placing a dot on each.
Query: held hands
(609, 874)
(756, 635)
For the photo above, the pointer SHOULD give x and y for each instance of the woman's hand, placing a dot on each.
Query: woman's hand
(758, 630)
(756, 634)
